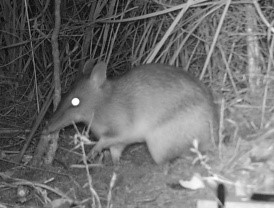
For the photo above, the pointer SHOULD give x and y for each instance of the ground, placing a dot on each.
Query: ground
(140, 182)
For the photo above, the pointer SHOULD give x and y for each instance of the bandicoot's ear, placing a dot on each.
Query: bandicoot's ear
(88, 67)
(99, 74)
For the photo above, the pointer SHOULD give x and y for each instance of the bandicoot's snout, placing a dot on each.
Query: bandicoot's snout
(55, 124)
(157, 104)
(59, 120)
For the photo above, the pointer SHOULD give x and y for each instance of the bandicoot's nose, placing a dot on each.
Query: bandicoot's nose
(48, 129)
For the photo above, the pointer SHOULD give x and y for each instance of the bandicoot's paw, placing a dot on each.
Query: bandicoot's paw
(96, 150)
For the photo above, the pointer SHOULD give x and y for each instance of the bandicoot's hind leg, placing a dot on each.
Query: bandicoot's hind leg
(164, 144)
(175, 136)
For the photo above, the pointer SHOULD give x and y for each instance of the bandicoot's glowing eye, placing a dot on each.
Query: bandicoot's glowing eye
(75, 101)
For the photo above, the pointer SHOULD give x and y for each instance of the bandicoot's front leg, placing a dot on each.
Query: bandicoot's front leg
(97, 149)
(116, 152)
(114, 144)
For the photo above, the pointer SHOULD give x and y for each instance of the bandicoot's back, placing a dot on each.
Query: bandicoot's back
(157, 104)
